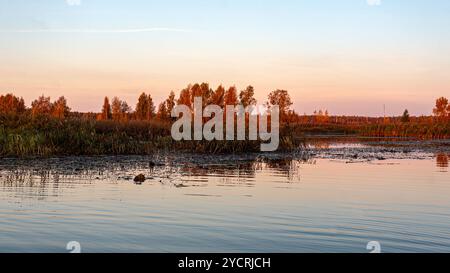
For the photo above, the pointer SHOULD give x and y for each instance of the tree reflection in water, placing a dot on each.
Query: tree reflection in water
(442, 161)
(42, 178)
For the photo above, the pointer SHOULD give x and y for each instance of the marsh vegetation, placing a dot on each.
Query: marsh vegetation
(50, 128)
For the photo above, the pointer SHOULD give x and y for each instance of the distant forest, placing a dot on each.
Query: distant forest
(51, 128)
(146, 110)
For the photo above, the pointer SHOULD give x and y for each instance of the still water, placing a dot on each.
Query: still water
(334, 199)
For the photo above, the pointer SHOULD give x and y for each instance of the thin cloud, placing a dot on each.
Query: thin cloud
(132, 30)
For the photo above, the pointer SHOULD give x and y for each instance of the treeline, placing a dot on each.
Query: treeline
(146, 110)
(435, 127)
(12, 105)
(402, 126)
(50, 128)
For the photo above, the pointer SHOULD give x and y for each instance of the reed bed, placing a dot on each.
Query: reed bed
(46, 136)
(437, 130)
(24, 136)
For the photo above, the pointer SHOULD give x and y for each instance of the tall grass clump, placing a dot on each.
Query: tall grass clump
(47, 136)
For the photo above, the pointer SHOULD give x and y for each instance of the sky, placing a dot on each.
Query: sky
(348, 56)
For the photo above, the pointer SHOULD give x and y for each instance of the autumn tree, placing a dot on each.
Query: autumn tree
(125, 110)
(142, 107)
(188, 94)
(206, 93)
(246, 96)
(10, 104)
(282, 99)
(405, 117)
(41, 106)
(442, 109)
(217, 97)
(120, 109)
(116, 108)
(185, 97)
(106, 110)
(150, 108)
(162, 113)
(170, 102)
(60, 109)
(321, 116)
(165, 108)
(230, 97)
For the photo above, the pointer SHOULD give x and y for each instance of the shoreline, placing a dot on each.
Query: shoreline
(342, 148)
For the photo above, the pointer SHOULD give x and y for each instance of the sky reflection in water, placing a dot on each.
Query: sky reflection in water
(248, 203)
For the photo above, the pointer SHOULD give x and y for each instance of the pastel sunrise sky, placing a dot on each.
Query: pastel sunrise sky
(347, 56)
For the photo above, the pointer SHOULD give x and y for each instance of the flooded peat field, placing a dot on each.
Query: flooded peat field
(333, 196)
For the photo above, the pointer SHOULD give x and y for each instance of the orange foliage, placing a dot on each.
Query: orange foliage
(10, 104)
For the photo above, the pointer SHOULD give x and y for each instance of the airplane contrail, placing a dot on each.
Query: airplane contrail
(131, 30)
